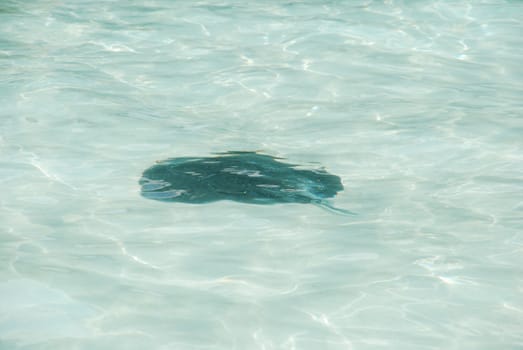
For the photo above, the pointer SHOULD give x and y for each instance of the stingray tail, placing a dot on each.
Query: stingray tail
(329, 207)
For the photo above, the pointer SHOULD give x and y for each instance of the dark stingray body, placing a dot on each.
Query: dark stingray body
(247, 177)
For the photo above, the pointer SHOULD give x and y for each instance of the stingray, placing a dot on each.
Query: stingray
(247, 177)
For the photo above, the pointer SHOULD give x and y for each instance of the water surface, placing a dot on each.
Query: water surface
(417, 107)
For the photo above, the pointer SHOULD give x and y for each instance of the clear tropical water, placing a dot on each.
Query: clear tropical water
(417, 106)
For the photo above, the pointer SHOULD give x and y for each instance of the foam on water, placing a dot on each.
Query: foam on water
(417, 107)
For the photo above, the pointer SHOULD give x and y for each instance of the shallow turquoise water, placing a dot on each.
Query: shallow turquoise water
(417, 107)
